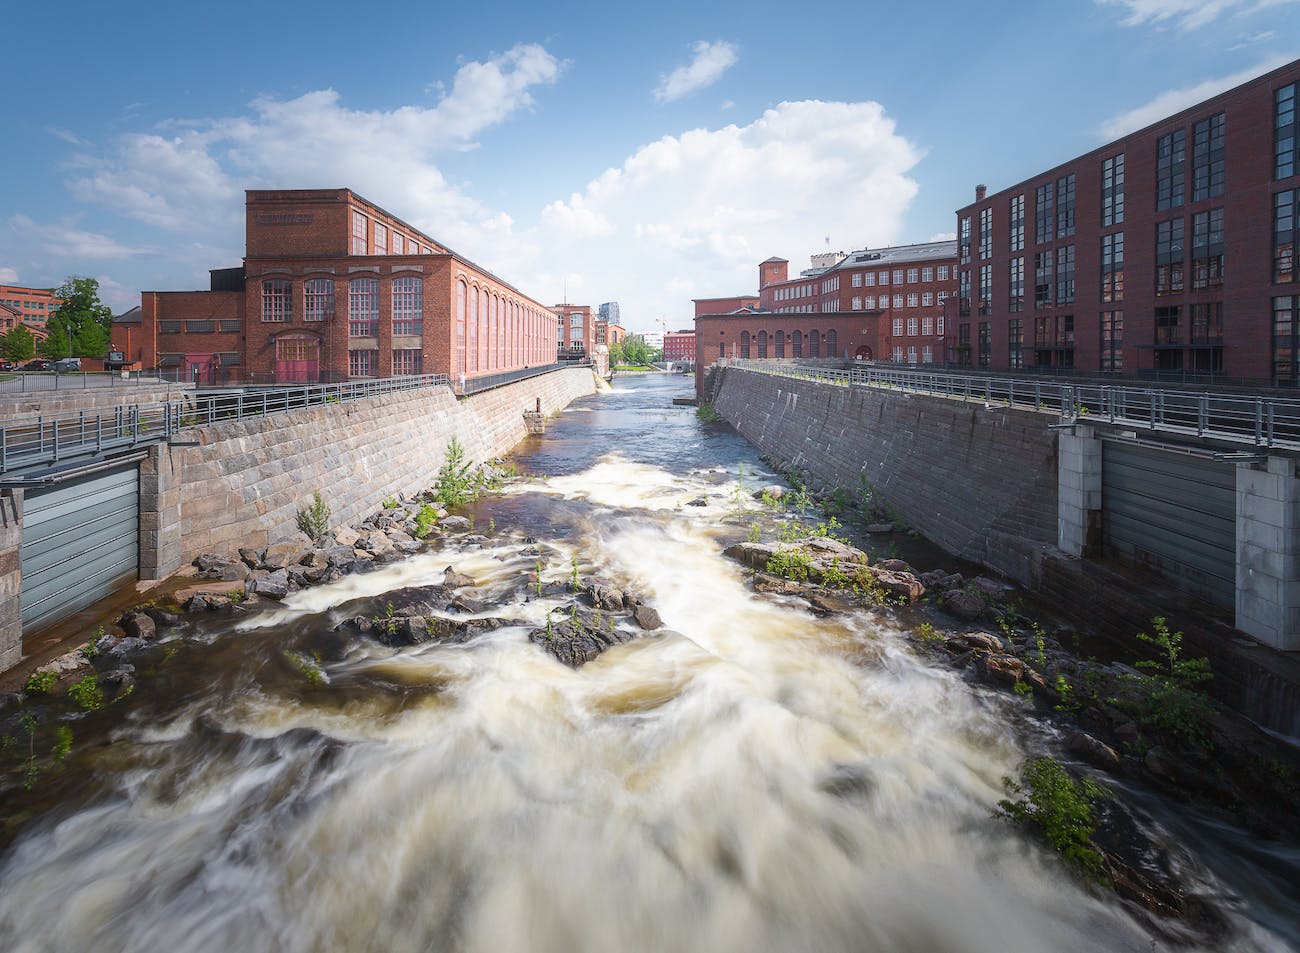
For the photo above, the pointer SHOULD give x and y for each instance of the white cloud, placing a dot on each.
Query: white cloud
(700, 210)
(64, 241)
(1250, 39)
(8, 276)
(942, 237)
(710, 62)
(1175, 100)
(1187, 14)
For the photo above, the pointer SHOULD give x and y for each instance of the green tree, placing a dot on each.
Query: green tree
(18, 344)
(637, 351)
(82, 324)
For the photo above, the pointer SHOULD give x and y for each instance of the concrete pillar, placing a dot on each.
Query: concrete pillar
(1078, 491)
(1268, 552)
(11, 578)
(160, 514)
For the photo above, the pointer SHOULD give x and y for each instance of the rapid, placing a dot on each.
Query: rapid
(751, 778)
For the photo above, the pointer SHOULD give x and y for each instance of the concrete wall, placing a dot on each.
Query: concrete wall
(982, 483)
(245, 482)
(96, 398)
(11, 538)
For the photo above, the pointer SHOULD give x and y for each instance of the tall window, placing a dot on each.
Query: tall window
(399, 244)
(318, 299)
(1016, 213)
(1286, 209)
(1207, 249)
(1043, 218)
(744, 344)
(984, 343)
(927, 274)
(1016, 284)
(943, 272)
(986, 289)
(1286, 319)
(831, 345)
(381, 239)
(363, 307)
(1286, 133)
(762, 344)
(963, 291)
(913, 275)
(408, 305)
(407, 362)
(780, 344)
(359, 246)
(361, 363)
(1171, 170)
(986, 233)
(1207, 158)
(796, 344)
(1169, 256)
(277, 300)
(1168, 326)
(1112, 268)
(1207, 323)
(460, 327)
(963, 344)
(913, 327)
(1112, 342)
(1016, 344)
(814, 344)
(1112, 191)
(913, 300)
(1043, 279)
(471, 328)
(963, 239)
(1065, 206)
(1065, 274)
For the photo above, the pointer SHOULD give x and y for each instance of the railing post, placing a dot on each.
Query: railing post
(1259, 421)
(1203, 415)
(56, 440)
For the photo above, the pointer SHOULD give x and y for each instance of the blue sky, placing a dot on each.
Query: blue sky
(644, 153)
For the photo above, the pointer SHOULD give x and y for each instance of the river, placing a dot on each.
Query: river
(751, 779)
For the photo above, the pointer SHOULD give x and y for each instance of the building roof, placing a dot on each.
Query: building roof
(129, 317)
(922, 251)
(775, 260)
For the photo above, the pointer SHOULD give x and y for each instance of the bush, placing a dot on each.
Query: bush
(1171, 697)
(86, 693)
(41, 682)
(790, 563)
(425, 520)
(1060, 809)
(706, 413)
(314, 520)
(455, 485)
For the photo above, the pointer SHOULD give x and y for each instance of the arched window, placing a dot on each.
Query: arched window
(780, 344)
(460, 327)
(762, 344)
(744, 344)
(363, 307)
(814, 344)
(408, 305)
(318, 299)
(483, 340)
(473, 329)
(796, 344)
(832, 349)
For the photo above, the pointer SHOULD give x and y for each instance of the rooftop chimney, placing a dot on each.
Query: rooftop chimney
(980, 192)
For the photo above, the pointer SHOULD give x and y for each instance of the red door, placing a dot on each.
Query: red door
(297, 360)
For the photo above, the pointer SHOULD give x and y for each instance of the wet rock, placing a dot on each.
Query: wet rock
(1085, 746)
(119, 680)
(10, 701)
(963, 604)
(1160, 762)
(362, 561)
(456, 580)
(313, 574)
(252, 558)
(162, 617)
(647, 618)
(777, 585)
(455, 524)
(274, 585)
(877, 529)
(346, 536)
(698, 501)
(461, 603)
(978, 641)
(125, 647)
(753, 555)
(773, 492)
(407, 601)
(138, 625)
(990, 589)
(315, 559)
(211, 562)
(578, 640)
(941, 581)
(825, 548)
(826, 603)
(285, 552)
(1003, 669)
(196, 603)
(604, 595)
(899, 583)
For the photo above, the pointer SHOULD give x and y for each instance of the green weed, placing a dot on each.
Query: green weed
(1060, 809)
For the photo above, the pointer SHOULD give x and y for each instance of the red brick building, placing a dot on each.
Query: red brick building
(725, 305)
(610, 333)
(680, 345)
(334, 287)
(575, 330)
(35, 305)
(1171, 249)
(11, 317)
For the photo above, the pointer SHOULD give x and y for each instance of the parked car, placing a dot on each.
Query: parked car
(7, 365)
(37, 365)
(66, 364)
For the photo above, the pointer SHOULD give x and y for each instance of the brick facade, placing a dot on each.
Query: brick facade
(575, 330)
(680, 345)
(34, 304)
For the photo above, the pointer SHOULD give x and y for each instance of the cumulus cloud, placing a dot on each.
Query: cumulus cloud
(1187, 14)
(699, 210)
(65, 241)
(710, 62)
(1175, 100)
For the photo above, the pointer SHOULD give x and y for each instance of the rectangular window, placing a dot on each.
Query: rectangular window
(870, 302)
(359, 222)
(927, 299)
(856, 304)
(1112, 268)
(898, 301)
(1043, 217)
(1016, 284)
(913, 275)
(943, 272)
(1042, 332)
(1207, 323)
(963, 344)
(1112, 342)
(913, 327)
(1207, 158)
(200, 327)
(898, 276)
(927, 326)
(898, 327)
(1043, 279)
(363, 308)
(361, 363)
(230, 358)
(1016, 344)
(986, 289)
(1286, 134)
(277, 300)
(1286, 209)
(1171, 170)
(1065, 330)
(857, 279)
(169, 327)
(1016, 214)
(927, 274)
(986, 233)
(927, 354)
(985, 343)
(1207, 249)
(231, 325)
(1065, 274)
(1112, 190)
(1284, 340)
(381, 239)
(963, 292)
(1169, 256)
(1168, 330)
(408, 305)
(913, 300)
(408, 362)
(1065, 206)
(869, 279)
(963, 241)
(399, 247)
(318, 299)
(938, 325)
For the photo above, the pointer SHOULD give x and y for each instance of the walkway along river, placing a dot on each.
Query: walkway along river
(751, 778)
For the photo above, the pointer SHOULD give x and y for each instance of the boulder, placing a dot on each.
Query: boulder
(823, 547)
(941, 581)
(341, 557)
(461, 603)
(898, 583)
(604, 595)
(963, 604)
(161, 616)
(252, 558)
(119, 680)
(773, 492)
(1095, 752)
(698, 501)
(138, 625)
(647, 618)
(235, 572)
(315, 559)
(576, 641)
(124, 647)
(777, 585)
(990, 589)
(978, 641)
(895, 565)
(376, 543)
(274, 585)
(753, 555)
(1003, 669)
(455, 524)
(454, 580)
(877, 529)
(211, 562)
(286, 552)
(346, 536)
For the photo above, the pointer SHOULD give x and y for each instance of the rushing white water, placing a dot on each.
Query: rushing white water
(752, 779)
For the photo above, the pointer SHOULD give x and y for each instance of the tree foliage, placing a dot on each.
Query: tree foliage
(635, 350)
(82, 325)
(18, 344)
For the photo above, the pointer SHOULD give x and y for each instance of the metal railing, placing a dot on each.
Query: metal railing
(473, 385)
(41, 440)
(24, 382)
(1261, 421)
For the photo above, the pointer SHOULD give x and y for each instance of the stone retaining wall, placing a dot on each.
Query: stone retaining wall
(980, 482)
(90, 399)
(245, 482)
